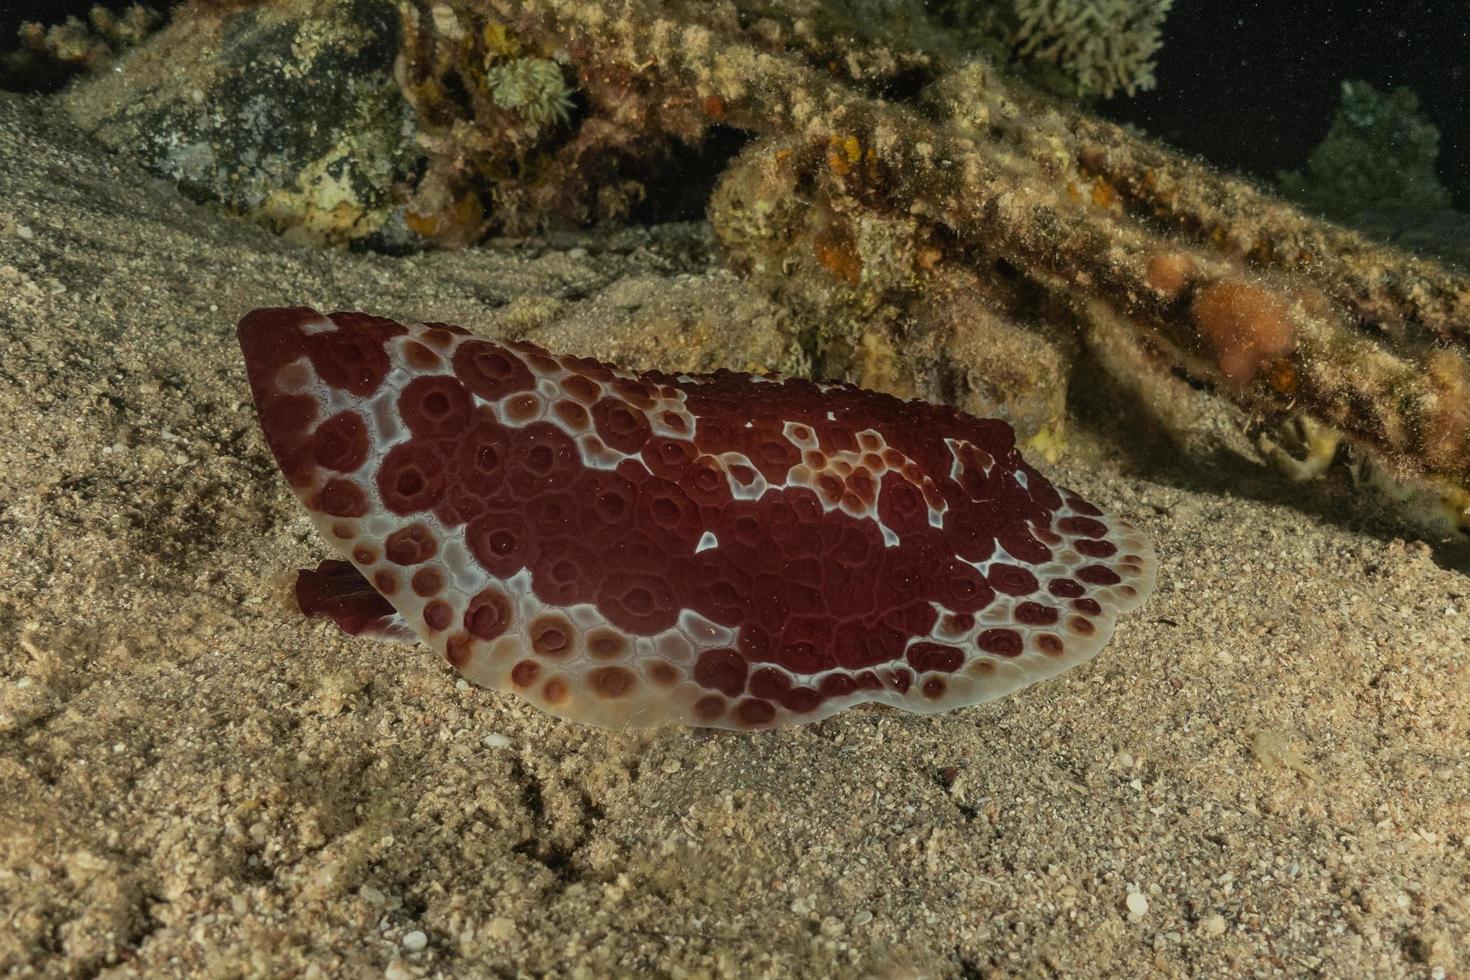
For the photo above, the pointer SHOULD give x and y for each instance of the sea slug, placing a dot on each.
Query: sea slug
(720, 550)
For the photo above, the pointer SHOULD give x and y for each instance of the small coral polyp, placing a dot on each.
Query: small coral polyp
(720, 550)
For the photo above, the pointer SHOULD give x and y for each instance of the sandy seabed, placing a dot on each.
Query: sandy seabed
(1264, 774)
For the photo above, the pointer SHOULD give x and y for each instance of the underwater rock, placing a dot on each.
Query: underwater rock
(289, 113)
(886, 308)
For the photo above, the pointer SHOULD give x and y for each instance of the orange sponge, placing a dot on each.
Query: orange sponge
(1244, 325)
(1170, 272)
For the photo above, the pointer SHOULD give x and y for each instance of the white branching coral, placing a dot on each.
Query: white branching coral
(1105, 45)
(532, 88)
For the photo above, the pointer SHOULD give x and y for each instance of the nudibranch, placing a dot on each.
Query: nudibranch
(720, 550)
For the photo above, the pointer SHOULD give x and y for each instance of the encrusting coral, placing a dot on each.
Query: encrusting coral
(89, 45)
(1287, 317)
(1379, 153)
(1106, 45)
(946, 231)
(875, 283)
(1377, 170)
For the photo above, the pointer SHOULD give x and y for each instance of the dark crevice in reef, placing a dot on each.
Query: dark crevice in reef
(682, 190)
(905, 86)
